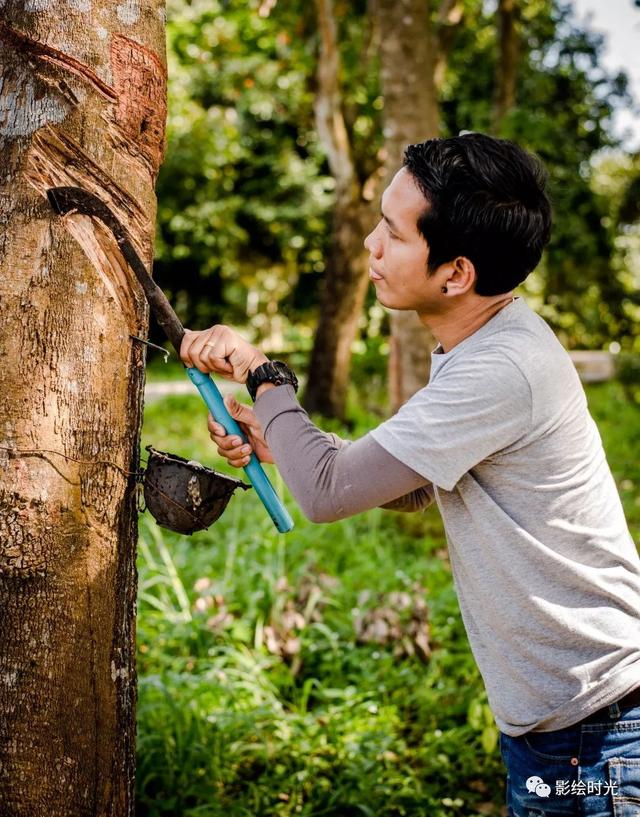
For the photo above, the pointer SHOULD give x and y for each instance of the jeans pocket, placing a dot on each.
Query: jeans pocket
(624, 778)
(542, 774)
(553, 747)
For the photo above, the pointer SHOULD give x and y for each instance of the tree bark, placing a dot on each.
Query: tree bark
(82, 103)
(343, 295)
(345, 282)
(507, 62)
(409, 59)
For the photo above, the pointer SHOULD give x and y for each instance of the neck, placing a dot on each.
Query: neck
(463, 319)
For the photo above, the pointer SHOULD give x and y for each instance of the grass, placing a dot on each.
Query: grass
(263, 690)
(618, 419)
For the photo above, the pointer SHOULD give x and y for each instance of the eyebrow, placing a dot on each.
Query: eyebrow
(390, 222)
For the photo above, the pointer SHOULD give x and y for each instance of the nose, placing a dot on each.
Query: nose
(372, 242)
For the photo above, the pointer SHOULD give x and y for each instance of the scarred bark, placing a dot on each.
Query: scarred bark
(82, 102)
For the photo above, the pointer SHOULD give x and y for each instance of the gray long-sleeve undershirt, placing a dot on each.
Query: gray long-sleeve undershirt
(331, 478)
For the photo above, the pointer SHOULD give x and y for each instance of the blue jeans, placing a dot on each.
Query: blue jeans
(586, 770)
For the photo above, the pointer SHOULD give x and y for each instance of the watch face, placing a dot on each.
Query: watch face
(276, 372)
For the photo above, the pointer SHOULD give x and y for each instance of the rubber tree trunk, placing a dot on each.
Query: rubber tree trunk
(346, 279)
(507, 62)
(341, 305)
(82, 103)
(408, 56)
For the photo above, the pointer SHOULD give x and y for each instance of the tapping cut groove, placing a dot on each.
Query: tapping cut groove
(21, 42)
(55, 160)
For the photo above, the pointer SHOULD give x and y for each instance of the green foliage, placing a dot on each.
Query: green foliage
(243, 200)
(245, 194)
(565, 100)
(628, 373)
(615, 182)
(259, 692)
(226, 724)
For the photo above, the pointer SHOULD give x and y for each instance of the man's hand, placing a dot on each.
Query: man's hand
(231, 446)
(220, 349)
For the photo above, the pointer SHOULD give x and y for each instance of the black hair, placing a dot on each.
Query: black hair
(486, 201)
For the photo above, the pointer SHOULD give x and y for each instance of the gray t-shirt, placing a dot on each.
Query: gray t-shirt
(546, 572)
(547, 576)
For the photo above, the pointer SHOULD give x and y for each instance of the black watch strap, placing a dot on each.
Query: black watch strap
(273, 371)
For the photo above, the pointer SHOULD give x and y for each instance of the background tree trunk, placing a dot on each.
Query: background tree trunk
(346, 279)
(409, 59)
(507, 62)
(82, 102)
(343, 294)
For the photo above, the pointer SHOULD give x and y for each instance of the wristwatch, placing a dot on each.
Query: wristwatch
(273, 371)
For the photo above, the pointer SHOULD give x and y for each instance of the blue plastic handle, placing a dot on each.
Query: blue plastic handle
(260, 481)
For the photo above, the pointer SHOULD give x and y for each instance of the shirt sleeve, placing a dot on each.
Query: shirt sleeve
(331, 478)
(475, 408)
(416, 500)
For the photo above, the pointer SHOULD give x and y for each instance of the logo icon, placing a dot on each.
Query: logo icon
(536, 784)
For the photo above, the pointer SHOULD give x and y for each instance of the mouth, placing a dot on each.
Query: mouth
(373, 275)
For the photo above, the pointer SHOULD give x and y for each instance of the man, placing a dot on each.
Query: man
(547, 576)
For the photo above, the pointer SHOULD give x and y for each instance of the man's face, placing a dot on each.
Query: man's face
(398, 252)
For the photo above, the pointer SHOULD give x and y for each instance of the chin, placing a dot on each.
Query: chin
(389, 303)
(386, 303)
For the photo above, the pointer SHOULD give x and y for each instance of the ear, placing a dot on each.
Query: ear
(461, 275)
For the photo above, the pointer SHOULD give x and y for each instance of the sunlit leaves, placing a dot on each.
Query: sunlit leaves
(245, 194)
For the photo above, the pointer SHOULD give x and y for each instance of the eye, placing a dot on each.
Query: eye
(390, 231)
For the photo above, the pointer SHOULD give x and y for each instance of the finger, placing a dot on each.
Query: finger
(227, 448)
(185, 347)
(237, 351)
(224, 446)
(192, 351)
(228, 444)
(215, 348)
(214, 361)
(215, 428)
(237, 454)
(239, 462)
(238, 457)
(207, 353)
(203, 354)
(253, 434)
(241, 412)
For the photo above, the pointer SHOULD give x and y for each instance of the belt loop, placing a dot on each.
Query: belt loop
(614, 711)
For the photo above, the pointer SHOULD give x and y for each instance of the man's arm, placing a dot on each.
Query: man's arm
(339, 477)
(416, 500)
(329, 480)
(332, 479)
